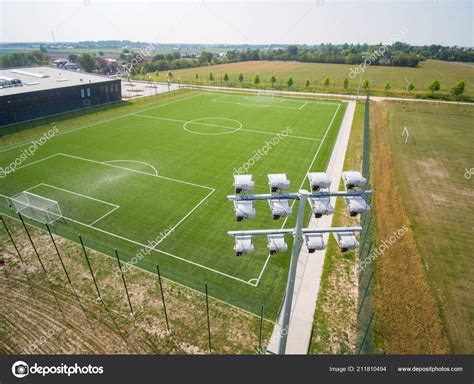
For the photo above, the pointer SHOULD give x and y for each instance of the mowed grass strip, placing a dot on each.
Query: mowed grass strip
(195, 162)
(408, 320)
(430, 170)
(447, 73)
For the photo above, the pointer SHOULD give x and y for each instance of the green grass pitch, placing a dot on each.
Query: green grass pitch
(167, 170)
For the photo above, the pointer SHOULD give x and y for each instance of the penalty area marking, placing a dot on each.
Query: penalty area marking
(162, 239)
(155, 172)
(114, 206)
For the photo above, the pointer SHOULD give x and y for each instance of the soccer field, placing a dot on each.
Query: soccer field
(153, 185)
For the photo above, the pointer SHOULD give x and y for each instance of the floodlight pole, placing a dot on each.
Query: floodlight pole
(297, 233)
(290, 286)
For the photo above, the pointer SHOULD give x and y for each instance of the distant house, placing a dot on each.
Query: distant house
(65, 64)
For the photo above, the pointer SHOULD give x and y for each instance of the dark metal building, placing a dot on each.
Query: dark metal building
(34, 92)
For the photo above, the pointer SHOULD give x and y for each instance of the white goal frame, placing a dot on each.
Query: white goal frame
(266, 94)
(35, 207)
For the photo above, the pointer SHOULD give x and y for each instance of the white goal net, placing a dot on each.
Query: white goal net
(266, 94)
(36, 207)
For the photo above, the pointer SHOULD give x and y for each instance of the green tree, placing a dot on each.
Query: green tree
(196, 76)
(143, 71)
(458, 89)
(410, 87)
(365, 84)
(306, 84)
(387, 87)
(211, 77)
(256, 80)
(226, 77)
(434, 86)
(241, 78)
(170, 76)
(101, 53)
(326, 82)
(72, 57)
(86, 62)
(346, 84)
(273, 81)
(289, 81)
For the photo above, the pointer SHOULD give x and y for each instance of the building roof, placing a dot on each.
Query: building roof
(43, 78)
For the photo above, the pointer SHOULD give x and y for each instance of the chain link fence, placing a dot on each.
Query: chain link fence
(365, 310)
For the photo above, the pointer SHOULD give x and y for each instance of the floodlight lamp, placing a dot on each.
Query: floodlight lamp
(346, 241)
(353, 179)
(280, 208)
(314, 242)
(276, 243)
(244, 210)
(243, 183)
(356, 205)
(278, 182)
(243, 244)
(321, 206)
(318, 180)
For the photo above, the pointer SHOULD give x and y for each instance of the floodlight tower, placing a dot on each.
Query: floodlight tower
(278, 201)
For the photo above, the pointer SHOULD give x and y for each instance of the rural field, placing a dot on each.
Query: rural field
(447, 73)
(157, 178)
(430, 178)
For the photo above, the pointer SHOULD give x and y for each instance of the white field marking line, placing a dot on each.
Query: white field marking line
(302, 183)
(136, 171)
(103, 121)
(303, 105)
(194, 121)
(222, 126)
(153, 274)
(256, 105)
(115, 206)
(146, 246)
(184, 218)
(103, 216)
(76, 193)
(263, 98)
(133, 161)
(314, 101)
(37, 161)
(156, 250)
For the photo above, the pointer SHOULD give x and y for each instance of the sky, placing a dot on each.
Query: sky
(448, 22)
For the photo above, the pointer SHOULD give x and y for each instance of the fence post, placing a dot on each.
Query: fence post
(90, 268)
(3, 262)
(261, 329)
(365, 335)
(208, 320)
(68, 278)
(365, 293)
(124, 283)
(19, 254)
(42, 265)
(163, 298)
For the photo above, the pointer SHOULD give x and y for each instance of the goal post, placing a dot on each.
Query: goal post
(266, 94)
(36, 207)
